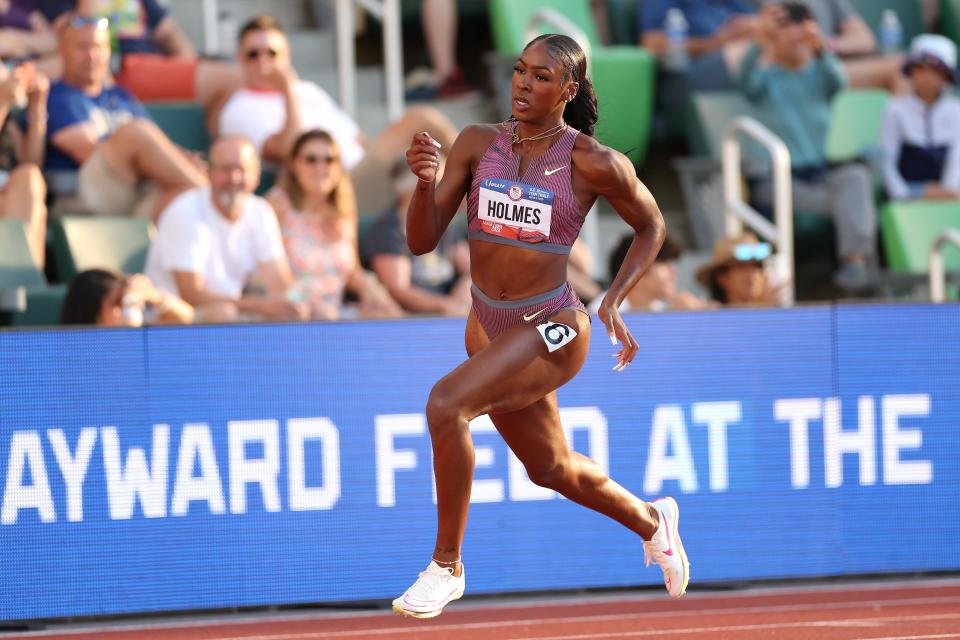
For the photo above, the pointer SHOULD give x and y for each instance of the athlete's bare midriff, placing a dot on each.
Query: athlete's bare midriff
(512, 273)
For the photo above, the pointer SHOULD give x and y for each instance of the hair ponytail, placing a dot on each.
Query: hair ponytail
(581, 112)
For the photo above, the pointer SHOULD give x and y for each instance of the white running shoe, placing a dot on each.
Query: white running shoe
(666, 550)
(433, 590)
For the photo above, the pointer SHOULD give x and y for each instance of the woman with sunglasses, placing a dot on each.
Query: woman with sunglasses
(317, 209)
(529, 183)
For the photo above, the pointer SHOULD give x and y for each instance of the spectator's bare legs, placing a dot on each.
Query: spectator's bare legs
(23, 198)
(393, 141)
(439, 20)
(879, 72)
(139, 150)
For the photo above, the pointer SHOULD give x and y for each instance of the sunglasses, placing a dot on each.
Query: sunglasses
(310, 158)
(253, 54)
(78, 21)
(747, 252)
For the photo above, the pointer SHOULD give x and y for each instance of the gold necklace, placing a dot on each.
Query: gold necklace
(540, 136)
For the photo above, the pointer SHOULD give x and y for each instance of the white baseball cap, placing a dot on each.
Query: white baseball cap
(933, 50)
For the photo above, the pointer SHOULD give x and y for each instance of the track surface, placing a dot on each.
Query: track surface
(911, 611)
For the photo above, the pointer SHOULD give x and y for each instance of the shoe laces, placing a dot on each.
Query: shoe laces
(431, 582)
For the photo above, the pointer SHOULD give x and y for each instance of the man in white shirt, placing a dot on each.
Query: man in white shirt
(213, 242)
(274, 107)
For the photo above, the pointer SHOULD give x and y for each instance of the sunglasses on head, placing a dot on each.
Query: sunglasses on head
(78, 21)
(747, 252)
(312, 158)
(253, 54)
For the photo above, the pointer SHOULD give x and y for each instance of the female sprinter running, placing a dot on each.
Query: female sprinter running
(530, 182)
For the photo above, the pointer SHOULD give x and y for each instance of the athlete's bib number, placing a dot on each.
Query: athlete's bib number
(515, 210)
(556, 334)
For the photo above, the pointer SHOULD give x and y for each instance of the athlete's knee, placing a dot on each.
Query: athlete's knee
(444, 412)
(553, 475)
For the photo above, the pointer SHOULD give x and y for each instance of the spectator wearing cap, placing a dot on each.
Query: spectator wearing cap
(656, 290)
(736, 274)
(921, 129)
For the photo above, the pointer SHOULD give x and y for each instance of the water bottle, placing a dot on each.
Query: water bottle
(676, 59)
(891, 32)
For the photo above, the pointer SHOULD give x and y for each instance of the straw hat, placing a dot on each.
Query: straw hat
(743, 248)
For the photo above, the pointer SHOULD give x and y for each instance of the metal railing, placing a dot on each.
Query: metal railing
(737, 211)
(938, 276)
(211, 32)
(388, 13)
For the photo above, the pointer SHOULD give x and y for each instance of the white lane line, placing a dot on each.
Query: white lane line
(447, 629)
(936, 635)
(428, 627)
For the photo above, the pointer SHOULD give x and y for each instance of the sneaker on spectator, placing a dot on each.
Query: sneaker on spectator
(665, 548)
(420, 86)
(454, 85)
(853, 277)
(433, 590)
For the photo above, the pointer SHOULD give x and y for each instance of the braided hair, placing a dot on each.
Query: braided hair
(581, 112)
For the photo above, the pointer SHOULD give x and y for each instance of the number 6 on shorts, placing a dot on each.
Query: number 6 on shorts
(556, 334)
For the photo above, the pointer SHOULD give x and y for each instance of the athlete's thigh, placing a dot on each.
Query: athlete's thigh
(516, 368)
(534, 433)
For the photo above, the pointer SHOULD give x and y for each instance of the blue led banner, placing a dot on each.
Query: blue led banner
(209, 467)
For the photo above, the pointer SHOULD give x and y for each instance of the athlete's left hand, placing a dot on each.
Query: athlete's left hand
(617, 330)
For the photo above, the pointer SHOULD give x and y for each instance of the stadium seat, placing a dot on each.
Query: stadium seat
(622, 18)
(909, 229)
(950, 19)
(909, 12)
(17, 269)
(855, 124)
(82, 242)
(623, 76)
(183, 122)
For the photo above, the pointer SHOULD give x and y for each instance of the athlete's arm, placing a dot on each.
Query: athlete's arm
(433, 205)
(611, 175)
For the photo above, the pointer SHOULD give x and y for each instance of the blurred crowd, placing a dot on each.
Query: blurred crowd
(76, 137)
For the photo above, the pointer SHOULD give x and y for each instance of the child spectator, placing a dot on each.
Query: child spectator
(921, 130)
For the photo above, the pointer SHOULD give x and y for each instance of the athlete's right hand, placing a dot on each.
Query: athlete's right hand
(423, 156)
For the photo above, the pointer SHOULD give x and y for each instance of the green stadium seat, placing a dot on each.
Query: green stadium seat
(183, 122)
(83, 242)
(856, 122)
(623, 76)
(17, 269)
(909, 229)
(909, 12)
(950, 19)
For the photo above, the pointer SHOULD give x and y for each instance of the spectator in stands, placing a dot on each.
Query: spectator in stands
(156, 59)
(25, 33)
(718, 33)
(437, 282)
(275, 107)
(125, 163)
(315, 204)
(99, 297)
(849, 38)
(921, 129)
(792, 77)
(215, 244)
(439, 22)
(657, 288)
(22, 189)
(736, 275)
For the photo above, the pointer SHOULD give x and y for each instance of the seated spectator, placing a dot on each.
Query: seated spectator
(792, 78)
(105, 299)
(125, 163)
(921, 129)
(157, 60)
(25, 33)
(22, 189)
(438, 19)
(718, 32)
(579, 268)
(656, 290)
(736, 275)
(214, 244)
(437, 282)
(317, 209)
(274, 107)
(847, 36)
